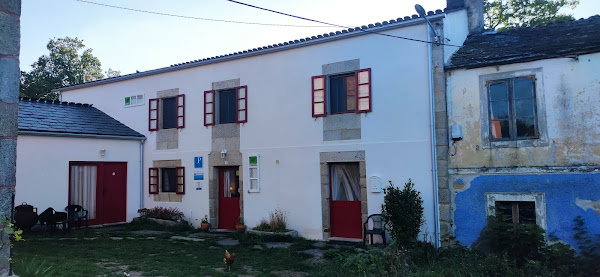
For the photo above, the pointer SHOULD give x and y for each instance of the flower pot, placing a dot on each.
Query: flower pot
(240, 228)
(204, 226)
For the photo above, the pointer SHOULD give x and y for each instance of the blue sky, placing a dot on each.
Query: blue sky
(129, 41)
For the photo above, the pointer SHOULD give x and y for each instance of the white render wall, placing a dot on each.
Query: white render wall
(395, 135)
(43, 168)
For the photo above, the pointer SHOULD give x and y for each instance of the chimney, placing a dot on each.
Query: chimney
(474, 12)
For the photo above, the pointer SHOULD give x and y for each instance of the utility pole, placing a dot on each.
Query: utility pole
(10, 36)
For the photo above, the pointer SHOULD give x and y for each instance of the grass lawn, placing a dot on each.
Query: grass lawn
(90, 252)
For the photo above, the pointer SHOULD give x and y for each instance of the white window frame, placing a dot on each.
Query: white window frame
(257, 177)
(539, 198)
(140, 100)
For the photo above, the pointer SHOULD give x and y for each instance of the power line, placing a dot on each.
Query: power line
(201, 18)
(336, 25)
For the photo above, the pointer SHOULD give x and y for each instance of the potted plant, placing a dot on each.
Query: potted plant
(204, 225)
(240, 227)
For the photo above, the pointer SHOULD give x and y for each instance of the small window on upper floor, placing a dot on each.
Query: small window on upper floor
(166, 113)
(169, 113)
(512, 109)
(344, 93)
(226, 106)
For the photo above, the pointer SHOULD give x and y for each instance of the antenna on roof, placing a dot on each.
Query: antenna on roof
(421, 11)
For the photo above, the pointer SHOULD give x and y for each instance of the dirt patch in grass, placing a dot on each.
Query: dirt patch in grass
(289, 273)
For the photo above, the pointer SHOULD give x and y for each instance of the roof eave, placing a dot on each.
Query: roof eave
(383, 28)
(514, 61)
(76, 135)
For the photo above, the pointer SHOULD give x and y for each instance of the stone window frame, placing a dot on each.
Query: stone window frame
(166, 196)
(540, 109)
(340, 126)
(216, 89)
(539, 198)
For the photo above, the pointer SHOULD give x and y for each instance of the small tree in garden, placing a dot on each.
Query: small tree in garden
(403, 210)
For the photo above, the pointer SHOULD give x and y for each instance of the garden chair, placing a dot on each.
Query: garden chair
(76, 213)
(50, 218)
(375, 225)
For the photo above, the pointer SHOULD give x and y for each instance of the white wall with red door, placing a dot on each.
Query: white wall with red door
(281, 128)
(47, 166)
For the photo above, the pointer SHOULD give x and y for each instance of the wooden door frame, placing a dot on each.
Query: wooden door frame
(99, 169)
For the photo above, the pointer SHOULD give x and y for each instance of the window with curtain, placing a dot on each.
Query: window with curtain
(83, 188)
(345, 182)
(231, 184)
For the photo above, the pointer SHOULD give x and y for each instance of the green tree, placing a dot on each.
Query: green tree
(68, 63)
(508, 14)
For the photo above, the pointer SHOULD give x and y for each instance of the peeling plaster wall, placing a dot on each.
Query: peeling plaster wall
(565, 169)
(566, 195)
(570, 90)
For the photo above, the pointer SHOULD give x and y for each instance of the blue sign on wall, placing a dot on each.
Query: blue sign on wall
(197, 162)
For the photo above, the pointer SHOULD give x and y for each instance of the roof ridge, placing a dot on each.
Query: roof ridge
(263, 48)
(320, 36)
(52, 101)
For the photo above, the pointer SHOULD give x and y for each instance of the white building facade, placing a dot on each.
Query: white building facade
(313, 128)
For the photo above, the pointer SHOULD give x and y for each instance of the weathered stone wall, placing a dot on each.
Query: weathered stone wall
(10, 13)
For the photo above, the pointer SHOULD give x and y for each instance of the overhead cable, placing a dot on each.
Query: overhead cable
(339, 26)
(202, 18)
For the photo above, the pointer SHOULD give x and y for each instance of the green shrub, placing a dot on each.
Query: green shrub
(520, 241)
(161, 213)
(403, 211)
(277, 223)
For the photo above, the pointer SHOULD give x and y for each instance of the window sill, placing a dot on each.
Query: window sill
(516, 143)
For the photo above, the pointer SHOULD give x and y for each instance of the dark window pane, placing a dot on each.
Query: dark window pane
(342, 95)
(499, 110)
(499, 91)
(169, 180)
(500, 129)
(527, 212)
(227, 106)
(169, 113)
(524, 107)
(523, 88)
(504, 211)
(525, 127)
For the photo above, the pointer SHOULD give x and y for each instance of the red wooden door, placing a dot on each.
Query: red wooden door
(344, 201)
(101, 188)
(229, 197)
(112, 193)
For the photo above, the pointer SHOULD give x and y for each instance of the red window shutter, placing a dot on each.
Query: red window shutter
(180, 100)
(209, 108)
(180, 180)
(241, 104)
(319, 96)
(363, 90)
(153, 114)
(153, 180)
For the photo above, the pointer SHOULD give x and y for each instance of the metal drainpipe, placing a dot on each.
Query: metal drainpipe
(436, 211)
(142, 173)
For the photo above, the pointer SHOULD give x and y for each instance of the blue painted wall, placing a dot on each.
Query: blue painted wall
(560, 191)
